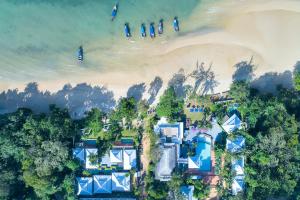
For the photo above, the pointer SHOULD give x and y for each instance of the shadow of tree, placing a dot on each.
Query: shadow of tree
(269, 82)
(77, 100)
(136, 91)
(205, 81)
(177, 82)
(154, 88)
(244, 71)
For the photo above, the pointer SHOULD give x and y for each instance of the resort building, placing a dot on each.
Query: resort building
(102, 184)
(238, 166)
(171, 135)
(188, 192)
(238, 182)
(123, 157)
(89, 164)
(166, 164)
(235, 145)
(232, 124)
(85, 185)
(238, 185)
(120, 182)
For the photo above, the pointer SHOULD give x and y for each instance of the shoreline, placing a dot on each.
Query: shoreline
(243, 32)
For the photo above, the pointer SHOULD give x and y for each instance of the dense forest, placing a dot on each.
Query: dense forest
(36, 160)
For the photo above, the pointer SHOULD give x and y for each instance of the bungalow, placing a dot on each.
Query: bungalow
(102, 184)
(238, 185)
(129, 159)
(188, 192)
(238, 166)
(169, 132)
(120, 182)
(236, 144)
(232, 124)
(89, 164)
(85, 185)
(171, 135)
(238, 182)
(122, 157)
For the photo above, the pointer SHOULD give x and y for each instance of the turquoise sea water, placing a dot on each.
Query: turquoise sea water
(39, 38)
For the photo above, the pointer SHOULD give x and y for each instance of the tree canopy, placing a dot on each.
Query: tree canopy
(169, 105)
(35, 155)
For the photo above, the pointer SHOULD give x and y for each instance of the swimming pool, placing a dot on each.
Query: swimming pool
(202, 159)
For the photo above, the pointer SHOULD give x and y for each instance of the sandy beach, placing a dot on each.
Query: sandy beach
(268, 31)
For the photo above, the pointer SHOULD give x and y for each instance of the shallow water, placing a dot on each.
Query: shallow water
(39, 38)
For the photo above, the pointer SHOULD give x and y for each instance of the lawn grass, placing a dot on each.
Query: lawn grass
(204, 100)
(129, 133)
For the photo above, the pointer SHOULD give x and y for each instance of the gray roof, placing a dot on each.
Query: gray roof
(166, 163)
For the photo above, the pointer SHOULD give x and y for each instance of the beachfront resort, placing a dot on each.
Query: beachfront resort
(187, 148)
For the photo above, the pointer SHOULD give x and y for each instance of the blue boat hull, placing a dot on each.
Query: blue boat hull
(152, 31)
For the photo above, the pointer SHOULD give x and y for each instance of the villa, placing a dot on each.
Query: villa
(85, 185)
(232, 124)
(123, 157)
(188, 192)
(171, 135)
(109, 174)
(167, 163)
(103, 184)
(235, 145)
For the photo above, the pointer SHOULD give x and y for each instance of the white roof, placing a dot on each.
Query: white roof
(78, 153)
(236, 144)
(120, 181)
(237, 184)
(173, 130)
(88, 164)
(232, 124)
(85, 185)
(238, 165)
(102, 183)
(116, 155)
(129, 159)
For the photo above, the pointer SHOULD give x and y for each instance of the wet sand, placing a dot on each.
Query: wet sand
(268, 31)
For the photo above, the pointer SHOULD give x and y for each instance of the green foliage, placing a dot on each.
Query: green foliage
(201, 190)
(272, 150)
(127, 109)
(239, 90)
(169, 105)
(93, 123)
(142, 108)
(297, 81)
(35, 153)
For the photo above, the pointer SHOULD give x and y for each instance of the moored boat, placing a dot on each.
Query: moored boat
(114, 12)
(80, 53)
(160, 27)
(127, 30)
(143, 30)
(152, 30)
(176, 24)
